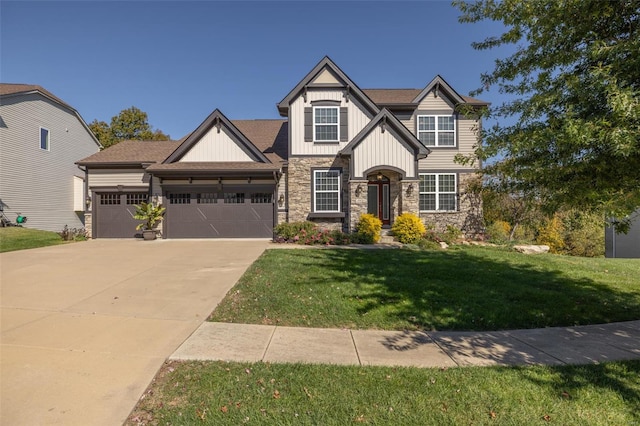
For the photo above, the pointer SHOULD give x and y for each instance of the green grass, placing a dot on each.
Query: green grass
(465, 288)
(219, 393)
(16, 238)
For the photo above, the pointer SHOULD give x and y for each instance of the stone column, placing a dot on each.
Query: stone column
(410, 197)
(357, 202)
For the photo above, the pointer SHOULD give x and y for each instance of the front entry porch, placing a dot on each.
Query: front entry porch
(384, 193)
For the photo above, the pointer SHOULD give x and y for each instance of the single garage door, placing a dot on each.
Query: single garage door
(113, 214)
(238, 213)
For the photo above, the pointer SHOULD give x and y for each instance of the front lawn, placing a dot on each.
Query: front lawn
(465, 288)
(221, 393)
(16, 238)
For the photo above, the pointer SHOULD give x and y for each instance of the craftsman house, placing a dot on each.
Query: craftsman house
(41, 138)
(339, 151)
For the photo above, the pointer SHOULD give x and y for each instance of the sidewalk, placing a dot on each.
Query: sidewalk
(550, 346)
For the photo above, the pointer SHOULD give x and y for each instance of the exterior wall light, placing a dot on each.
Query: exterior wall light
(358, 190)
(410, 190)
(281, 200)
(87, 201)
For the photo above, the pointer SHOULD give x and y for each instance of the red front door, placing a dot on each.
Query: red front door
(378, 200)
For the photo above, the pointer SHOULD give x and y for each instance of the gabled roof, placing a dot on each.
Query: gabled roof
(11, 89)
(217, 118)
(387, 118)
(132, 153)
(269, 136)
(327, 63)
(440, 85)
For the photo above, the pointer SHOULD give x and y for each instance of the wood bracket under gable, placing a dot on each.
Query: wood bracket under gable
(218, 124)
(304, 94)
(348, 94)
(383, 123)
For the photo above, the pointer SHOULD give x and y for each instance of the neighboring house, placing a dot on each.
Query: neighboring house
(341, 151)
(624, 245)
(41, 138)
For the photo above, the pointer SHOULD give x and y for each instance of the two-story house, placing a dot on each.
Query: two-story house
(41, 138)
(340, 151)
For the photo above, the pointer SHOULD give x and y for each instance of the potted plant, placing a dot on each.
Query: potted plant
(151, 215)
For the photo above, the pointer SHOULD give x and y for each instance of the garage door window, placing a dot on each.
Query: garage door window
(109, 199)
(207, 198)
(179, 198)
(234, 198)
(136, 198)
(261, 198)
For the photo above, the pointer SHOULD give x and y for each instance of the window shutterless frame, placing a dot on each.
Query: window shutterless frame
(44, 139)
(438, 192)
(326, 124)
(326, 191)
(437, 130)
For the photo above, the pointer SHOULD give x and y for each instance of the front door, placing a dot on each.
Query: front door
(378, 203)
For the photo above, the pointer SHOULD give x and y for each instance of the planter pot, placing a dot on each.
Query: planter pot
(149, 234)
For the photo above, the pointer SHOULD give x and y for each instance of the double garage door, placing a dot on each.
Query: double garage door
(241, 212)
(234, 213)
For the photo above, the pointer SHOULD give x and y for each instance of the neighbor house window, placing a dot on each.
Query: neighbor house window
(437, 130)
(326, 191)
(438, 192)
(326, 124)
(44, 138)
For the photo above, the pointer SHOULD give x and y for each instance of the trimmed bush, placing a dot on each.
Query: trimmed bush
(288, 231)
(408, 228)
(550, 233)
(368, 229)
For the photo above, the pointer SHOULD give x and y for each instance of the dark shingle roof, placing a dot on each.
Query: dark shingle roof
(406, 96)
(269, 136)
(133, 152)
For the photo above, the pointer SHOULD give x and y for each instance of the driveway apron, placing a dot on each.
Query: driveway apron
(86, 326)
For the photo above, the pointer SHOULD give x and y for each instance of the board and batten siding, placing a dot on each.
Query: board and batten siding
(379, 148)
(110, 178)
(357, 117)
(36, 183)
(216, 146)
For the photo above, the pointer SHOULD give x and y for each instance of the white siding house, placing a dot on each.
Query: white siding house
(41, 138)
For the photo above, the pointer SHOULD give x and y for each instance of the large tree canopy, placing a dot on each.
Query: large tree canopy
(573, 138)
(130, 124)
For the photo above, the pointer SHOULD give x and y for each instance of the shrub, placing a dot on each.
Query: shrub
(408, 228)
(499, 231)
(583, 234)
(368, 229)
(451, 234)
(73, 234)
(550, 233)
(427, 244)
(288, 231)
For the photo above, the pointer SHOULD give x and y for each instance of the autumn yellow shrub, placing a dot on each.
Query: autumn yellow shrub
(408, 228)
(368, 229)
(551, 234)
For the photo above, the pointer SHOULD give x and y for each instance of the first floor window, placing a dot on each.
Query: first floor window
(326, 190)
(437, 130)
(326, 124)
(44, 138)
(438, 192)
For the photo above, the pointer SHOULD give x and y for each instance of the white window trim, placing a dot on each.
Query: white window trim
(437, 131)
(48, 148)
(337, 123)
(316, 191)
(437, 191)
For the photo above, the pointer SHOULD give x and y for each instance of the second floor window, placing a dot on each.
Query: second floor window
(437, 130)
(326, 124)
(44, 138)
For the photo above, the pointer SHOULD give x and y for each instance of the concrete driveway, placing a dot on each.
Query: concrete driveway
(85, 327)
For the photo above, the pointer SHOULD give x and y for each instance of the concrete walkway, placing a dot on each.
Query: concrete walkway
(85, 327)
(550, 346)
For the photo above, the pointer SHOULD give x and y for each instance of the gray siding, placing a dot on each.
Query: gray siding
(37, 183)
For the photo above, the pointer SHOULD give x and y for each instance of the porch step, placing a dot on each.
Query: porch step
(386, 239)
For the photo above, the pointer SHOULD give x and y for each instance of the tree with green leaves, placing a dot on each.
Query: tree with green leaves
(130, 124)
(572, 138)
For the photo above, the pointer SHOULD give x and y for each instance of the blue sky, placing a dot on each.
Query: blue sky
(178, 61)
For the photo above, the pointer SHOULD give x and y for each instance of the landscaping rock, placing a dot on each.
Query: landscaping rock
(444, 245)
(531, 249)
